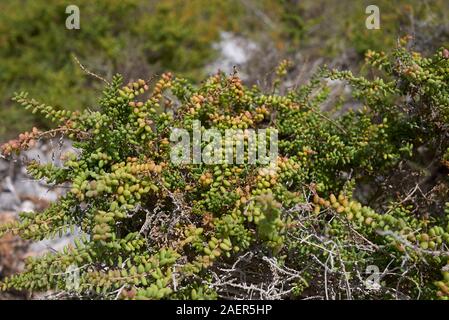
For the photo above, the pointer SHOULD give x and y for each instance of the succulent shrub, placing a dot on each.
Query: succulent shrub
(149, 228)
(136, 36)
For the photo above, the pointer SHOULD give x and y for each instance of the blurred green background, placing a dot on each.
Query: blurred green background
(139, 38)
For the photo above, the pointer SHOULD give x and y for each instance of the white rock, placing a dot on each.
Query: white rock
(32, 188)
(27, 206)
(4, 165)
(233, 51)
(8, 201)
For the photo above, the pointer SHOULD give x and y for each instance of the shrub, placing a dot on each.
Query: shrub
(140, 37)
(150, 229)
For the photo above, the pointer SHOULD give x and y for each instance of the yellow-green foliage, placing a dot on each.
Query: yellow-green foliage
(150, 229)
(155, 36)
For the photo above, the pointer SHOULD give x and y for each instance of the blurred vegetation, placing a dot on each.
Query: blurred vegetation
(140, 38)
(129, 36)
